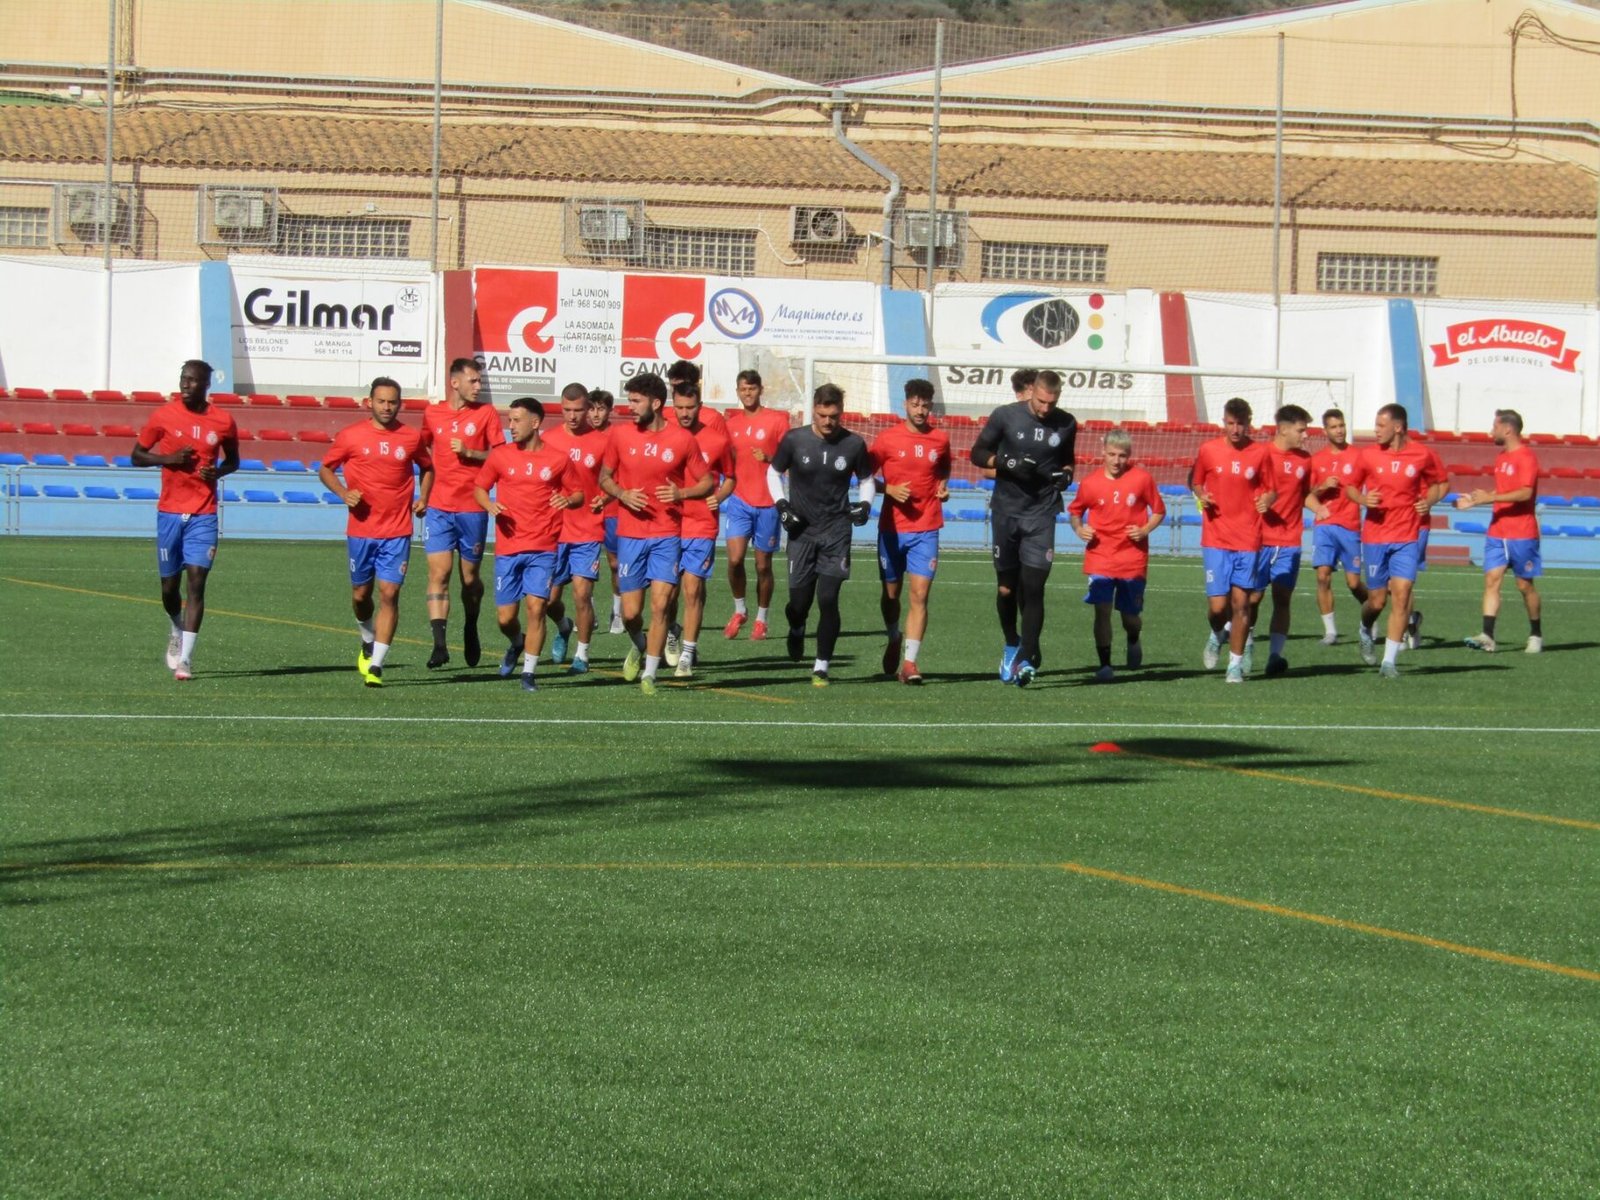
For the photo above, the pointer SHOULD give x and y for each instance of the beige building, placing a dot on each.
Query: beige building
(1430, 147)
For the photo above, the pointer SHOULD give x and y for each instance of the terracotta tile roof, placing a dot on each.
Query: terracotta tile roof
(613, 154)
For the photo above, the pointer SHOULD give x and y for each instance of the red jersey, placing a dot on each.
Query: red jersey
(171, 428)
(643, 461)
(524, 481)
(586, 451)
(1288, 474)
(1108, 506)
(717, 454)
(1342, 511)
(922, 460)
(1515, 469)
(747, 432)
(478, 427)
(1234, 478)
(1401, 477)
(381, 465)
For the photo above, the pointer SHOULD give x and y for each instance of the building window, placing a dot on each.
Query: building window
(24, 226)
(344, 237)
(1378, 274)
(715, 251)
(1044, 262)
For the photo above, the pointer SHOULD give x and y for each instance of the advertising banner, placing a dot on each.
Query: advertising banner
(299, 327)
(1483, 356)
(536, 331)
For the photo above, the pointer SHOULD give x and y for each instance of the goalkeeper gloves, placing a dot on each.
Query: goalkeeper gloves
(860, 511)
(793, 523)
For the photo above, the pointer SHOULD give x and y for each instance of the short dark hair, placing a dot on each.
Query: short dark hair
(683, 371)
(647, 383)
(602, 399)
(920, 389)
(529, 404)
(1023, 379)
(1396, 412)
(458, 365)
(201, 368)
(574, 391)
(1238, 408)
(1331, 414)
(829, 395)
(383, 381)
(685, 388)
(751, 377)
(1292, 414)
(1049, 381)
(1511, 417)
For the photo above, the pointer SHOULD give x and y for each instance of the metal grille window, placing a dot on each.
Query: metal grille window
(24, 226)
(1379, 274)
(717, 251)
(1045, 262)
(344, 237)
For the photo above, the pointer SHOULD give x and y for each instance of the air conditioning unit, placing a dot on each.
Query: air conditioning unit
(812, 226)
(597, 228)
(605, 223)
(88, 212)
(248, 209)
(945, 234)
(90, 204)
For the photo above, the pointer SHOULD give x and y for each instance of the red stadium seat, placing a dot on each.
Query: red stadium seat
(118, 431)
(7, 427)
(1544, 439)
(1477, 438)
(149, 397)
(264, 400)
(108, 396)
(227, 399)
(300, 401)
(342, 402)
(314, 435)
(70, 395)
(39, 428)
(1566, 473)
(28, 393)
(275, 435)
(1577, 439)
(246, 435)
(1591, 472)
(414, 404)
(1443, 435)
(75, 429)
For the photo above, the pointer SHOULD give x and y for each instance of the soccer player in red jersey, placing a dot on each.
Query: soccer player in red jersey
(750, 514)
(1232, 485)
(1397, 482)
(1513, 539)
(380, 459)
(1115, 512)
(184, 438)
(1336, 537)
(699, 534)
(462, 430)
(913, 459)
(582, 531)
(1283, 526)
(535, 486)
(651, 467)
(601, 403)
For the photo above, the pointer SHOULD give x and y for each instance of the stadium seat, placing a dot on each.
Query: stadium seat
(50, 460)
(70, 396)
(78, 429)
(148, 397)
(118, 431)
(314, 435)
(140, 493)
(1554, 502)
(8, 427)
(1544, 439)
(330, 498)
(246, 435)
(1444, 435)
(1591, 473)
(265, 400)
(226, 399)
(1172, 489)
(1477, 437)
(1548, 530)
(986, 484)
(122, 460)
(1577, 439)
(23, 491)
(89, 460)
(970, 514)
(1566, 473)
(303, 401)
(10, 458)
(108, 396)
(230, 496)
(1471, 527)
(96, 491)
(30, 393)
(1189, 519)
(1579, 531)
(39, 428)
(342, 402)
(295, 497)
(963, 485)
(414, 404)
(274, 435)
(289, 465)
(252, 464)
(1586, 501)
(260, 496)
(61, 491)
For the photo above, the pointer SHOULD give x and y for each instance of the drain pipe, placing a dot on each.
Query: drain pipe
(889, 201)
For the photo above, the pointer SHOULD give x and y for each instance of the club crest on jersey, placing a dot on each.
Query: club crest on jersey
(1410, 471)
(399, 452)
(933, 456)
(839, 464)
(1249, 472)
(471, 427)
(211, 438)
(666, 456)
(588, 460)
(544, 474)
(761, 435)
(1054, 439)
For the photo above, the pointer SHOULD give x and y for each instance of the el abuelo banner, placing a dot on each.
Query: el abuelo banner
(1483, 357)
(303, 328)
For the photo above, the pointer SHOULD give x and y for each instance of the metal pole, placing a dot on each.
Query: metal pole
(1277, 221)
(438, 103)
(933, 155)
(109, 212)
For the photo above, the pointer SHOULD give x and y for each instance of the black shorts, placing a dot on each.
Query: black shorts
(1023, 540)
(812, 554)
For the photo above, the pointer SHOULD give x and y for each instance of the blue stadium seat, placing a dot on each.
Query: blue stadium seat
(1550, 530)
(1579, 531)
(970, 514)
(301, 498)
(1172, 489)
(1555, 502)
(986, 484)
(10, 458)
(61, 491)
(1586, 501)
(289, 465)
(140, 493)
(50, 460)
(122, 460)
(330, 498)
(963, 485)
(24, 491)
(89, 460)
(230, 496)
(1471, 527)
(261, 496)
(252, 464)
(96, 492)
(1189, 519)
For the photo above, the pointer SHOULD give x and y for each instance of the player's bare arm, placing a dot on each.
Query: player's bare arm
(489, 505)
(1078, 527)
(1264, 501)
(419, 506)
(149, 458)
(632, 499)
(330, 480)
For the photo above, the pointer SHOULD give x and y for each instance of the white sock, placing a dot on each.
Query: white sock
(177, 622)
(188, 644)
(761, 615)
(652, 663)
(739, 609)
(529, 662)
(1328, 625)
(380, 651)
(1227, 627)
(913, 645)
(369, 634)
(689, 649)
(1391, 650)
(616, 606)
(1279, 640)
(581, 651)
(1235, 660)
(820, 665)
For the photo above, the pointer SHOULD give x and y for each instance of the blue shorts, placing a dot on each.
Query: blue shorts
(907, 554)
(1227, 569)
(384, 557)
(577, 558)
(1127, 595)
(1391, 560)
(1422, 548)
(452, 532)
(1520, 554)
(740, 519)
(184, 540)
(611, 536)
(1283, 565)
(646, 560)
(528, 573)
(1336, 546)
(697, 556)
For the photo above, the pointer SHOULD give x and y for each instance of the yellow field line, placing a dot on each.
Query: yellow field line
(211, 610)
(1139, 881)
(1410, 797)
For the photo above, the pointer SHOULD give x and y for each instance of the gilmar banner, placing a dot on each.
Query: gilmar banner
(299, 327)
(1481, 357)
(534, 332)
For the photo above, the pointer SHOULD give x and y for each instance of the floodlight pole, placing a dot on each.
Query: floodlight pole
(1277, 221)
(109, 211)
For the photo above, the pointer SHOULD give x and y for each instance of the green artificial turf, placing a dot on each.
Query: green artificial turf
(752, 938)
